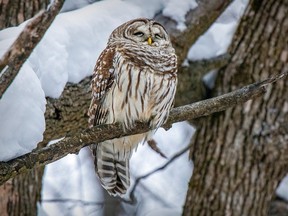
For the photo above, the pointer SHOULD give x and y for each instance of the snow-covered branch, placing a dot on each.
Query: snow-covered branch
(198, 21)
(14, 58)
(80, 139)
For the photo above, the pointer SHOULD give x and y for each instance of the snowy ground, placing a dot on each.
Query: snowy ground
(68, 53)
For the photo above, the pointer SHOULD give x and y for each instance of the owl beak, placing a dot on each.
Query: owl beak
(149, 40)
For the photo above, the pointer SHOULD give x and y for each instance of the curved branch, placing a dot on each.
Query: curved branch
(73, 144)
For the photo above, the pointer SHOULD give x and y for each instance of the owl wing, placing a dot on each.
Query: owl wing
(102, 81)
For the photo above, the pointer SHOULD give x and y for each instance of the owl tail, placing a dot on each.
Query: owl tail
(113, 171)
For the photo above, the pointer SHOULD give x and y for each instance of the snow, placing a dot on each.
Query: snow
(22, 133)
(67, 53)
(282, 190)
(70, 5)
(158, 186)
(149, 7)
(77, 36)
(24, 103)
(73, 178)
(177, 11)
(218, 37)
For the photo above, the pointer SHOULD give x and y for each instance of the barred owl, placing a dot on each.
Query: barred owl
(134, 79)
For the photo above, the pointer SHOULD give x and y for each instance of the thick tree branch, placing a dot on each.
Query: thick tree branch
(206, 65)
(68, 114)
(190, 80)
(73, 144)
(14, 58)
(198, 21)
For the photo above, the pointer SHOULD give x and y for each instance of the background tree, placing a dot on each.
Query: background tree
(15, 12)
(240, 155)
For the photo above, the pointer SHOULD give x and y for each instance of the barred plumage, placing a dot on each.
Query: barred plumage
(134, 80)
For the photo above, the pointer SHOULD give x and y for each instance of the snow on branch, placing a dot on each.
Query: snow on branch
(20, 50)
(73, 144)
(198, 21)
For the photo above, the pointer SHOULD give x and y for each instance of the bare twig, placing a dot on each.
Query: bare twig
(14, 58)
(153, 145)
(82, 202)
(43, 156)
(132, 197)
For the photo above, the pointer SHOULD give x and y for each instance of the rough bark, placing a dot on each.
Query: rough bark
(20, 195)
(15, 12)
(240, 155)
(278, 207)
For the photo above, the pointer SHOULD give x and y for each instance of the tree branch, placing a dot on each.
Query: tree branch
(14, 58)
(206, 65)
(73, 144)
(190, 80)
(76, 201)
(68, 114)
(198, 21)
(132, 197)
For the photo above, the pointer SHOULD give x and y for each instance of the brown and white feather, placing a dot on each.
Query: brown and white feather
(132, 81)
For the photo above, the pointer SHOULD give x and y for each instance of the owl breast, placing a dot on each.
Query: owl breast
(139, 94)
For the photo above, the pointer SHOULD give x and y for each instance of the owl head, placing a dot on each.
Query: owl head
(142, 31)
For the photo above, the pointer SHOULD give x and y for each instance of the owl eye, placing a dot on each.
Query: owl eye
(158, 36)
(138, 34)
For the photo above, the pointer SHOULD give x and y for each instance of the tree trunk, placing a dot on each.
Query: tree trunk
(240, 155)
(15, 12)
(19, 196)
